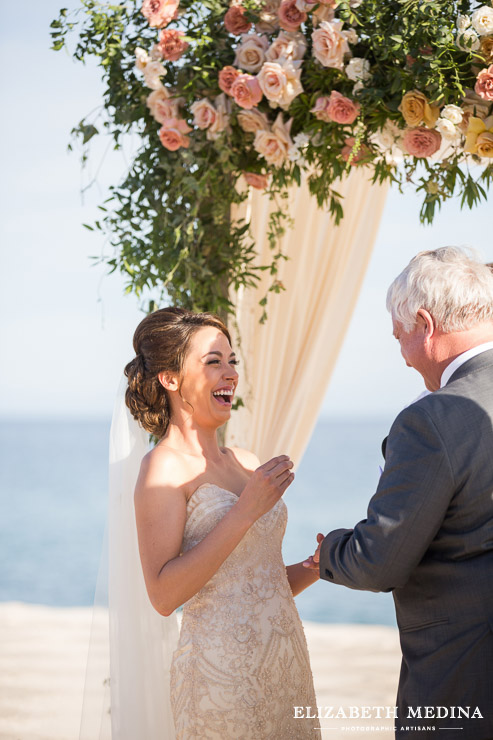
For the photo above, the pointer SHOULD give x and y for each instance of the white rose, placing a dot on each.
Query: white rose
(358, 69)
(141, 58)
(468, 41)
(452, 113)
(152, 73)
(289, 44)
(351, 36)
(463, 22)
(204, 113)
(280, 81)
(358, 86)
(252, 120)
(447, 129)
(250, 53)
(329, 44)
(274, 145)
(223, 107)
(482, 20)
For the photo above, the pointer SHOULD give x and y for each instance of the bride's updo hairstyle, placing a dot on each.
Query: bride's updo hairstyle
(161, 342)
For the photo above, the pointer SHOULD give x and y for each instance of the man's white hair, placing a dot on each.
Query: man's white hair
(450, 283)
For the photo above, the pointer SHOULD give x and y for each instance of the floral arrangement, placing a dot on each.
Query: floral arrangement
(268, 90)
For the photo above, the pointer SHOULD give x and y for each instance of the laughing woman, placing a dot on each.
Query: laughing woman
(210, 524)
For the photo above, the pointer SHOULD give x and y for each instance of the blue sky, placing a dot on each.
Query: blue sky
(66, 327)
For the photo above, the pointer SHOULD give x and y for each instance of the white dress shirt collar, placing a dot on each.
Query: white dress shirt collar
(461, 359)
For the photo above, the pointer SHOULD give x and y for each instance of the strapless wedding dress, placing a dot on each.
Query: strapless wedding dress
(241, 665)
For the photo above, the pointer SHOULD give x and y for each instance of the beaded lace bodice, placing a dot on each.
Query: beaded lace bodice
(242, 663)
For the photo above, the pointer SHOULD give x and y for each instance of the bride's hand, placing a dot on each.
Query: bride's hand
(313, 561)
(266, 486)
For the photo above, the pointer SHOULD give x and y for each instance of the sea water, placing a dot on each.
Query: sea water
(53, 489)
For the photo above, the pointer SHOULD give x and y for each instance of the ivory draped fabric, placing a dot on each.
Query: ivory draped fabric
(287, 362)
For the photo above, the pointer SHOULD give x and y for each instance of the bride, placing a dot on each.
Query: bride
(210, 523)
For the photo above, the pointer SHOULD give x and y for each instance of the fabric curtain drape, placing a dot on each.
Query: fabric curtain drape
(286, 363)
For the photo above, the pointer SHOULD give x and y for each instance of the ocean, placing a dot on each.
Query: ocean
(53, 481)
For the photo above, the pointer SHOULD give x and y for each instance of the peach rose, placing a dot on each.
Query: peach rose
(329, 44)
(290, 18)
(320, 108)
(222, 107)
(204, 113)
(478, 136)
(159, 12)
(246, 91)
(415, 109)
(352, 155)
(290, 45)
(321, 14)
(256, 181)
(341, 109)
(235, 21)
(162, 106)
(172, 134)
(250, 53)
(274, 145)
(280, 82)
(171, 44)
(421, 142)
(484, 84)
(226, 78)
(252, 121)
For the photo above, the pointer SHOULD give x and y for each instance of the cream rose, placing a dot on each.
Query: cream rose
(153, 71)
(221, 122)
(447, 129)
(252, 121)
(482, 20)
(274, 145)
(463, 22)
(329, 44)
(452, 113)
(141, 58)
(280, 81)
(358, 69)
(468, 40)
(289, 44)
(415, 109)
(321, 14)
(269, 20)
(204, 113)
(250, 53)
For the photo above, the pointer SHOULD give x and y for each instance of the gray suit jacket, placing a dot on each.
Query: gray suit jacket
(428, 538)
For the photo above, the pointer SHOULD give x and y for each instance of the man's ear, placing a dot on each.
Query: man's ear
(427, 322)
(168, 381)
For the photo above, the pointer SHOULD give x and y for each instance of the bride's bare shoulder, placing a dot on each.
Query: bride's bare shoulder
(162, 467)
(246, 458)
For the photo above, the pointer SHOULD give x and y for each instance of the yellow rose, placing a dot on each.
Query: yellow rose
(415, 109)
(479, 139)
(487, 49)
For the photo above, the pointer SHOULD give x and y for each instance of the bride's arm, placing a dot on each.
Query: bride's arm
(160, 509)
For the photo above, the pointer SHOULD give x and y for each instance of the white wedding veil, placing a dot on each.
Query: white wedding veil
(141, 641)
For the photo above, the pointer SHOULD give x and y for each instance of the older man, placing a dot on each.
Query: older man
(428, 535)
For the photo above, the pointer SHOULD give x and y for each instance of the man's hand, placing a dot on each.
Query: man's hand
(313, 561)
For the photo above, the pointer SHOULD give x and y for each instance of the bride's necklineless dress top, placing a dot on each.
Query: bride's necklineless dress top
(241, 665)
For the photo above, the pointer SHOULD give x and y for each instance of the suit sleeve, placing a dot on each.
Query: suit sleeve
(403, 516)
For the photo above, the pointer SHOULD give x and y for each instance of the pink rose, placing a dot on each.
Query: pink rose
(356, 157)
(290, 18)
(246, 91)
(226, 78)
(320, 108)
(171, 44)
(204, 113)
(341, 109)
(330, 44)
(256, 181)
(159, 12)
(172, 134)
(162, 106)
(421, 142)
(235, 21)
(484, 83)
